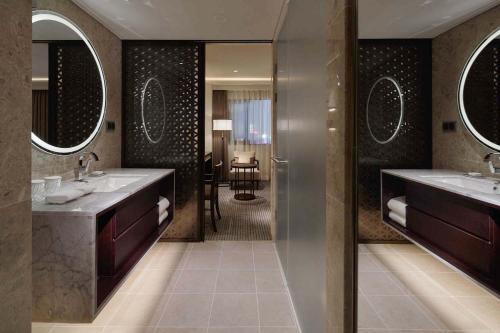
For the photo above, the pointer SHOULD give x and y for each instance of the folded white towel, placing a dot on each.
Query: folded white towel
(63, 195)
(398, 205)
(397, 218)
(162, 217)
(163, 204)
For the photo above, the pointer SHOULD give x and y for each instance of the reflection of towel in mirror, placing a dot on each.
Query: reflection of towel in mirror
(398, 205)
(63, 195)
(162, 217)
(398, 219)
(163, 204)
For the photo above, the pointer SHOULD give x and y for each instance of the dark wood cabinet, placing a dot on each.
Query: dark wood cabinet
(461, 230)
(126, 231)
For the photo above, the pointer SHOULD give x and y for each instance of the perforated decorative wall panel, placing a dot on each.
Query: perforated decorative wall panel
(178, 72)
(409, 63)
(75, 95)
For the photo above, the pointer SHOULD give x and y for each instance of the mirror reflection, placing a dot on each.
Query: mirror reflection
(67, 90)
(480, 92)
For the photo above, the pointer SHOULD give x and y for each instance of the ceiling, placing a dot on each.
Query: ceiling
(187, 19)
(416, 18)
(239, 63)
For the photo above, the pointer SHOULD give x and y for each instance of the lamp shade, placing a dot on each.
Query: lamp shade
(223, 125)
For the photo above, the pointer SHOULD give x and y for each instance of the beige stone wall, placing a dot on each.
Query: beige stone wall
(15, 157)
(107, 145)
(451, 50)
(339, 167)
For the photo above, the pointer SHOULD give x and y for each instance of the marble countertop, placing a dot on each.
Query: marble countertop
(425, 176)
(96, 202)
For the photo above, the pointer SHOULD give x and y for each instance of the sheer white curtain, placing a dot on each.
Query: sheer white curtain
(250, 111)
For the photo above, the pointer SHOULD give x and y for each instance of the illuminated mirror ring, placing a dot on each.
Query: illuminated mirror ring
(150, 80)
(401, 113)
(463, 78)
(45, 15)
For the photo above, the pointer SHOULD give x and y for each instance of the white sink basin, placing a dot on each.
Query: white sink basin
(111, 182)
(483, 185)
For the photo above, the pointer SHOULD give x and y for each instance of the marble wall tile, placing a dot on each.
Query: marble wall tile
(15, 161)
(339, 167)
(107, 145)
(451, 50)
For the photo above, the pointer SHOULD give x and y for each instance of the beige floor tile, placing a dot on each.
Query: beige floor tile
(363, 249)
(233, 310)
(275, 310)
(129, 329)
(139, 310)
(269, 281)
(391, 261)
(180, 330)
(235, 281)
(171, 247)
(426, 263)
(367, 262)
(449, 314)
(199, 281)
(367, 317)
(418, 283)
(155, 282)
(375, 330)
(263, 246)
(203, 260)
(400, 312)
(457, 284)
(237, 246)
(167, 260)
(77, 329)
(233, 330)
(379, 283)
(379, 248)
(278, 330)
(130, 280)
(110, 309)
(487, 309)
(187, 310)
(206, 246)
(239, 260)
(266, 261)
(407, 248)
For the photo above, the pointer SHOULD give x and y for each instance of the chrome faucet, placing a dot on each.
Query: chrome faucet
(83, 167)
(488, 158)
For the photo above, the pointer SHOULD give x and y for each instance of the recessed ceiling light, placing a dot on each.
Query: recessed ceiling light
(235, 71)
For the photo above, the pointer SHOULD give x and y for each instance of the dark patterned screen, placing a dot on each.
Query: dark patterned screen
(482, 92)
(178, 68)
(409, 63)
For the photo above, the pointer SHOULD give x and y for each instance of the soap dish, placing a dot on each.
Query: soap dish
(97, 174)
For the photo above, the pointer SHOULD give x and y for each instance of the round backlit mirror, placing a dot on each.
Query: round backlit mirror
(153, 112)
(384, 110)
(69, 90)
(479, 92)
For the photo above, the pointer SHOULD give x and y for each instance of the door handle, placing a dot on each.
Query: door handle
(278, 160)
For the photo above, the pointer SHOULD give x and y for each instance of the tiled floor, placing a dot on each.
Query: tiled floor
(404, 289)
(212, 287)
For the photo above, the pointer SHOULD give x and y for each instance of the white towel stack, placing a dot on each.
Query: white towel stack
(397, 210)
(163, 205)
(68, 193)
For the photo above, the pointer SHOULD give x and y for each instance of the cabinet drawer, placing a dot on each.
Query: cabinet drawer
(464, 247)
(457, 211)
(129, 240)
(135, 207)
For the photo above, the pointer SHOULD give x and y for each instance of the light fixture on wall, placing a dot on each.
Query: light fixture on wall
(222, 125)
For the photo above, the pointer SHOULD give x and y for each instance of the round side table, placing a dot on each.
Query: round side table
(244, 175)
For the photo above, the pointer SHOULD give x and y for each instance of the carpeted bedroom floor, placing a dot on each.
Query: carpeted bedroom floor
(241, 220)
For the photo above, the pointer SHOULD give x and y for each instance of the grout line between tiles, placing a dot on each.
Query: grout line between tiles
(255, 285)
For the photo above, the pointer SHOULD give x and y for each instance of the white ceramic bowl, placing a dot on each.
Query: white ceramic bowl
(52, 183)
(38, 190)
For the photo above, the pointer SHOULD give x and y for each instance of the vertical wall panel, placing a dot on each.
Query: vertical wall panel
(409, 63)
(178, 68)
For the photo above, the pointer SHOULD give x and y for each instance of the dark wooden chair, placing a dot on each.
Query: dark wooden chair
(212, 192)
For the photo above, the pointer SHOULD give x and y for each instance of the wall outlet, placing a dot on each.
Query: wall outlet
(449, 126)
(110, 126)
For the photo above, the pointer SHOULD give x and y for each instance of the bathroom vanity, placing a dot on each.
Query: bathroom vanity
(456, 217)
(84, 248)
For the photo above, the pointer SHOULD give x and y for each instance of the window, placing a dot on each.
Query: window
(251, 120)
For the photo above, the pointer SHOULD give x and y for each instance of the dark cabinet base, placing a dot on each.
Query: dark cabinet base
(463, 231)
